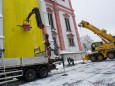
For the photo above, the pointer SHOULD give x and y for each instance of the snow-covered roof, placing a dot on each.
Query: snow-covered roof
(51, 40)
(82, 51)
(67, 52)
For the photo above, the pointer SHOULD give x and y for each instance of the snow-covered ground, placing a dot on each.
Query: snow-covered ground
(89, 74)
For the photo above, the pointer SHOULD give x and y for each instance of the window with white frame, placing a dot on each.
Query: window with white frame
(54, 34)
(67, 22)
(55, 40)
(71, 40)
(50, 18)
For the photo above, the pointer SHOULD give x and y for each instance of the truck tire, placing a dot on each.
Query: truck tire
(100, 57)
(105, 58)
(110, 55)
(43, 72)
(93, 58)
(30, 74)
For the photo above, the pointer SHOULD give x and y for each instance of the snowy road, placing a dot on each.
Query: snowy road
(89, 74)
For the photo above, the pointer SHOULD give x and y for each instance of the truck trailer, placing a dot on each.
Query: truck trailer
(24, 43)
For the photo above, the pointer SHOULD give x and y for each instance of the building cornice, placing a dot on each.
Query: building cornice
(59, 5)
(61, 9)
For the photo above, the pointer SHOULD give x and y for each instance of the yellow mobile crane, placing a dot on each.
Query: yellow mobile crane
(100, 50)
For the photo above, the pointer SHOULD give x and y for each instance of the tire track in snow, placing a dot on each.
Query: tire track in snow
(86, 79)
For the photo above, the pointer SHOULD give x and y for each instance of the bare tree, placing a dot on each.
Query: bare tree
(86, 42)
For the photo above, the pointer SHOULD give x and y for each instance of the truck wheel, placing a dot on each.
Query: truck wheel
(93, 58)
(105, 58)
(110, 55)
(100, 58)
(30, 75)
(43, 72)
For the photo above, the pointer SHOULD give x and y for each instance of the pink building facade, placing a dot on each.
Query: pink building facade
(63, 25)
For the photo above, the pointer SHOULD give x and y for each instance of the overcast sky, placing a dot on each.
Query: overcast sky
(100, 13)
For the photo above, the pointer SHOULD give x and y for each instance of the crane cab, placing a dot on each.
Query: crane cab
(95, 44)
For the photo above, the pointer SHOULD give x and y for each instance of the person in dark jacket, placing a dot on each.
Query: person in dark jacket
(68, 60)
(72, 61)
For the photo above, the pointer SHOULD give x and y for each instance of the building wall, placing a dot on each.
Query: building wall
(59, 8)
(65, 33)
(44, 16)
(63, 3)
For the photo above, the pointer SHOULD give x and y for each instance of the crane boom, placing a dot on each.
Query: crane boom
(97, 31)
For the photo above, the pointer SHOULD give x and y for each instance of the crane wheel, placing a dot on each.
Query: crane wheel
(30, 74)
(93, 58)
(100, 57)
(43, 72)
(110, 55)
